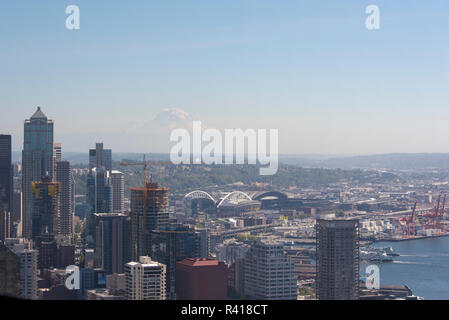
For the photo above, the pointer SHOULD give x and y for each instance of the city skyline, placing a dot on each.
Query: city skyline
(311, 70)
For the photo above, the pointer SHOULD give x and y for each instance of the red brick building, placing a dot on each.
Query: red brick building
(201, 279)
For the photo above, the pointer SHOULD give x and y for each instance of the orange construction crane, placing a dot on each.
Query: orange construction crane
(145, 165)
(440, 214)
(408, 223)
(431, 217)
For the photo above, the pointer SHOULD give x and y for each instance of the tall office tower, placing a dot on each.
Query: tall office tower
(9, 273)
(201, 279)
(99, 199)
(45, 209)
(64, 177)
(145, 280)
(57, 152)
(337, 257)
(149, 211)
(99, 191)
(268, 273)
(100, 157)
(173, 243)
(28, 266)
(118, 191)
(37, 161)
(6, 187)
(6, 173)
(113, 246)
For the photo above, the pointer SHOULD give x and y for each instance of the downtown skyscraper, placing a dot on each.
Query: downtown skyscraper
(112, 240)
(269, 275)
(100, 157)
(45, 209)
(99, 199)
(118, 191)
(149, 212)
(337, 259)
(37, 161)
(6, 187)
(65, 179)
(145, 279)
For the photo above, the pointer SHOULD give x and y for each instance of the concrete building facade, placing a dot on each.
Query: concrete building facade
(337, 256)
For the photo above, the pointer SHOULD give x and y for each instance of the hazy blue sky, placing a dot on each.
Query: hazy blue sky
(309, 68)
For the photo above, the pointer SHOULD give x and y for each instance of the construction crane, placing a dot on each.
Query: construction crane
(440, 215)
(145, 165)
(408, 223)
(431, 218)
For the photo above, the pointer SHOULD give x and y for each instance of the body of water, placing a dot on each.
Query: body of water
(423, 265)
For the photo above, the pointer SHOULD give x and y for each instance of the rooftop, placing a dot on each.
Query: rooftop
(39, 114)
(199, 262)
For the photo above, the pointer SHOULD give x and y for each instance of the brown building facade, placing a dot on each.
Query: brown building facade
(201, 279)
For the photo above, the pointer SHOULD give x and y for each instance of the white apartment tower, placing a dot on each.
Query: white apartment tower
(145, 280)
(28, 266)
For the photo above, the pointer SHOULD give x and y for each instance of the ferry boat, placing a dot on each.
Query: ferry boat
(374, 254)
(390, 252)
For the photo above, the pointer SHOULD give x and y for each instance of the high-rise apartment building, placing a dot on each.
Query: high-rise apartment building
(64, 177)
(269, 275)
(145, 280)
(37, 161)
(149, 211)
(337, 256)
(118, 191)
(45, 208)
(113, 246)
(28, 266)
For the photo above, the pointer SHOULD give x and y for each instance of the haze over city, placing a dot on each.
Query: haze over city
(310, 69)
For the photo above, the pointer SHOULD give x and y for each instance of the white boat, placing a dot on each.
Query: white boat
(372, 255)
(390, 252)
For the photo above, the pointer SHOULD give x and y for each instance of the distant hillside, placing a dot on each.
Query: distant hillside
(82, 158)
(180, 178)
(393, 161)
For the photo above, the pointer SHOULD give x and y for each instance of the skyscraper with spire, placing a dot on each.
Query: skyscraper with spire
(37, 161)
